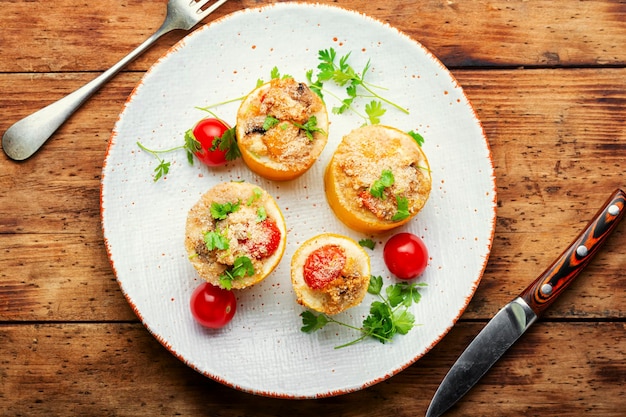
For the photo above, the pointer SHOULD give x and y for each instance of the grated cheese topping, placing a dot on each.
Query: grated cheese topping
(284, 144)
(243, 229)
(361, 159)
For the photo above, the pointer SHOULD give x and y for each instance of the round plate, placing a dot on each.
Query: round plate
(263, 350)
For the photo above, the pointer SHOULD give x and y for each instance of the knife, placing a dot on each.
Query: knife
(514, 318)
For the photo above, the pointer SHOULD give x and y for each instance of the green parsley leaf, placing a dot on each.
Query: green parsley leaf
(270, 122)
(220, 211)
(226, 280)
(162, 169)
(312, 322)
(261, 214)
(241, 267)
(367, 243)
(403, 208)
(403, 321)
(227, 143)
(192, 145)
(215, 240)
(315, 86)
(376, 284)
(375, 111)
(379, 323)
(309, 127)
(256, 194)
(378, 187)
(419, 139)
(395, 297)
(274, 74)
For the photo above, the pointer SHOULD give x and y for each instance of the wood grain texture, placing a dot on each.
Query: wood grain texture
(119, 369)
(497, 33)
(547, 80)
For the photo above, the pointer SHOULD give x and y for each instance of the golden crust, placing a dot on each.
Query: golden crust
(359, 162)
(282, 151)
(346, 291)
(240, 226)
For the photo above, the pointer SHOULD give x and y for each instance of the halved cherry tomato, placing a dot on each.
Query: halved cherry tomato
(267, 240)
(205, 132)
(323, 266)
(405, 255)
(212, 306)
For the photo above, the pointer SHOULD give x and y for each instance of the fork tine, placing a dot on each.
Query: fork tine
(204, 11)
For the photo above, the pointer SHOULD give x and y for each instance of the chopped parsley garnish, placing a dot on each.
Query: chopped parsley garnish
(270, 122)
(215, 240)
(387, 317)
(378, 187)
(403, 208)
(241, 267)
(261, 214)
(309, 127)
(256, 194)
(419, 139)
(220, 211)
(226, 143)
(367, 243)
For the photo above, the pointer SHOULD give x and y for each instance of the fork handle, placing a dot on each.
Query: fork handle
(27, 135)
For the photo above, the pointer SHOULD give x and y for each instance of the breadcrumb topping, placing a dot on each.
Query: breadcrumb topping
(288, 103)
(360, 161)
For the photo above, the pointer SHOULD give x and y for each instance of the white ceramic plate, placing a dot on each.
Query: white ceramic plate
(263, 350)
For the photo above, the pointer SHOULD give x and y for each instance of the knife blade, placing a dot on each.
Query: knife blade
(510, 323)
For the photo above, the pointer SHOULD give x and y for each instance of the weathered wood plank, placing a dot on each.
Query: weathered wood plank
(70, 36)
(58, 277)
(563, 369)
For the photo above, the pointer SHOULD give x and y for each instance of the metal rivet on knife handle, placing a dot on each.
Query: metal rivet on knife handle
(562, 272)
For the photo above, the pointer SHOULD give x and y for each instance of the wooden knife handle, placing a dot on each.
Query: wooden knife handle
(544, 290)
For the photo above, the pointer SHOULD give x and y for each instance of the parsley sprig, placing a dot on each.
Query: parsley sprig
(241, 267)
(227, 142)
(219, 211)
(309, 127)
(216, 240)
(344, 75)
(386, 180)
(403, 208)
(387, 317)
(367, 243)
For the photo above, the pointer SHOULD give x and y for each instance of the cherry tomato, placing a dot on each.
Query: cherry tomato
(212, 306)
(268, 240)
(205, 132)
(323, 266)
(405, 255)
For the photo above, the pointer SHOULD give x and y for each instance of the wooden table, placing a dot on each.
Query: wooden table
(548, 81)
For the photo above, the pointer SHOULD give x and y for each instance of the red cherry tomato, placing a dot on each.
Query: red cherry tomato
(405, 255)
(212, 306)
(205, 132)
(323, 266)
(267, 240)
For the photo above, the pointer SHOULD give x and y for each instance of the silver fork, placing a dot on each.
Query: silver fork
(26, 136)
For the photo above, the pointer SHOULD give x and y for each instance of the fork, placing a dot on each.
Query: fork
(26, 136)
